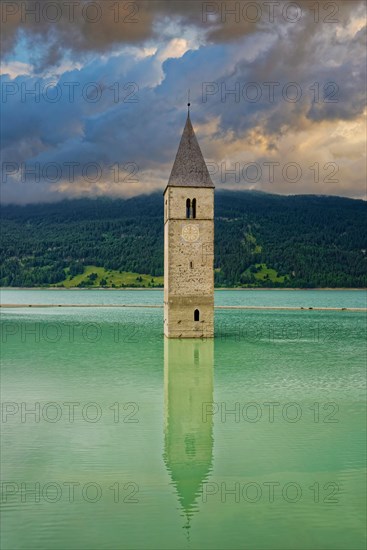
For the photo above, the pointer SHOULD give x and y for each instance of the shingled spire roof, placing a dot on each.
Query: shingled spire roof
(189, 168)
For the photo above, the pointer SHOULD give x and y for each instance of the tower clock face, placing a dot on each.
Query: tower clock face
(190, 233)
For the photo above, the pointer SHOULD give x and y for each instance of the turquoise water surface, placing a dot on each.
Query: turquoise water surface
(270, 298)
(113, 437)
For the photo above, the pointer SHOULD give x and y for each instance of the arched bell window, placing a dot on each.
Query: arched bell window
(188, 208)
(194, 208)
(196, 315)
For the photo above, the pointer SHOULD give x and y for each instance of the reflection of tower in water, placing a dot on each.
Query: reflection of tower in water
(188, 385)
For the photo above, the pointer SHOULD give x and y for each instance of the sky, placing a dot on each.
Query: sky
(94, 95)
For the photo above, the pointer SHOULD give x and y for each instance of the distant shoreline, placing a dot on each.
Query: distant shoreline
(160, 306)
(145, 288)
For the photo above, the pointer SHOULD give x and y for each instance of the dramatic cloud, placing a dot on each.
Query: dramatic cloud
(278, 99)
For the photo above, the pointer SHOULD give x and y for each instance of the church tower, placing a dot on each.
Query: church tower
(189, 243)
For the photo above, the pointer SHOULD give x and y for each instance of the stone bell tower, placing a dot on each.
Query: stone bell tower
(189, 243)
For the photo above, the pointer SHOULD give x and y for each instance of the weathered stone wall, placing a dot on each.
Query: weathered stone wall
(179, 318)
(189, 275)
(176, 202)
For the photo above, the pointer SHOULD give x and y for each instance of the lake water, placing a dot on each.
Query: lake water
(270, 298)
(115, 438)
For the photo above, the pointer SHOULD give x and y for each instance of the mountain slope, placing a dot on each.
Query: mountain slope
(260, 240)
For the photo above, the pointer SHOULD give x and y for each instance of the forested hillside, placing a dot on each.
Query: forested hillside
(260, 240)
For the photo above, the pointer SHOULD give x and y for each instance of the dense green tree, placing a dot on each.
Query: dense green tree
(313, 241)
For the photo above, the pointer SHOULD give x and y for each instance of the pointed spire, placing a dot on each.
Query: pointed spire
(189, 168)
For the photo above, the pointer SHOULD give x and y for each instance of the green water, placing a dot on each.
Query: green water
(255, 440)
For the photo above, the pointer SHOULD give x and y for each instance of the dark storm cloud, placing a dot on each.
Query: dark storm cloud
(86, 26)
(97, 26)
(284, 85)
(107, 131)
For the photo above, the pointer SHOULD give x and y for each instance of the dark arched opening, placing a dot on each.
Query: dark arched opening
(188, 208)
(196, 315)
(194, 208)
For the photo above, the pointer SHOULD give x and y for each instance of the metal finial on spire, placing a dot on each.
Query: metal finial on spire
(188, 102)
